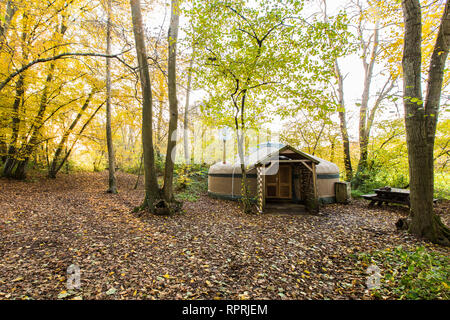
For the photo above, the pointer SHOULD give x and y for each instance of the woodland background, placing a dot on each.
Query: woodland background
(53, 115)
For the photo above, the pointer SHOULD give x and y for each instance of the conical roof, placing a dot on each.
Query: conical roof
(264, 152)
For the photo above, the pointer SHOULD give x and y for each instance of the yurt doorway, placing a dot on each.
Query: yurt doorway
(279, 185)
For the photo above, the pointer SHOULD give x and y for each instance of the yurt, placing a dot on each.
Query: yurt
(276, 172)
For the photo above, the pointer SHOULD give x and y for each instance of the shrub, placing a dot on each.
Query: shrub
(190, 181)
(418, 274)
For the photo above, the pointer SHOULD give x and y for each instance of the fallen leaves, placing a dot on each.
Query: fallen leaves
(213, 251)
(111, 291)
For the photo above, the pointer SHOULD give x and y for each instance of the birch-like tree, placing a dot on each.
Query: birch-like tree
(254, 57)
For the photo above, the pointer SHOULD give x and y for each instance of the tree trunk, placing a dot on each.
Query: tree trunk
(9, 14)
(112, 185)
(343, 124)
(55, 162)
(18, 170)
(186, 113)
(10, 159)
(368, 74)
(28, 147)
(173, 103)
(421, 121)
(332, 149)
(76, 139)
(240, 136)
(159, 127)
(152, 192)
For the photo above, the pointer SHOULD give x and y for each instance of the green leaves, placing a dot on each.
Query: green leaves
(415, 100)
(418, 274)
(265, 52)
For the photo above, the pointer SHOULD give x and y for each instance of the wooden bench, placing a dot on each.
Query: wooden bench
(373, 197)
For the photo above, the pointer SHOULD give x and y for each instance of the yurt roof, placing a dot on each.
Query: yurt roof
(264, 152)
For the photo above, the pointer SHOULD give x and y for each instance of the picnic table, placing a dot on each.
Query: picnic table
(387, 195)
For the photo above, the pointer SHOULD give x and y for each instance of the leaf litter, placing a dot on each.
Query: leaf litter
(210, 251)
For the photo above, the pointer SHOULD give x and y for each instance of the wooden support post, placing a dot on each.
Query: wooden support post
(314, 180)
(263, 189)
(260, 186)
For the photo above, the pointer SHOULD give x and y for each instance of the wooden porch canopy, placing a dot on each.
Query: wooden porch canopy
(304, 166)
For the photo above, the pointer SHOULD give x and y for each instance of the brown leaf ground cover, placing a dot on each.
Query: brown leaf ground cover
(211, 251)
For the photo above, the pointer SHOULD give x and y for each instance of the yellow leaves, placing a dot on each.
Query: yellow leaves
(244, 296)
(18, 279)
(63, 294)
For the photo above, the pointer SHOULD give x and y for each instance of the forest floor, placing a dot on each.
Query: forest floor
(211, 251)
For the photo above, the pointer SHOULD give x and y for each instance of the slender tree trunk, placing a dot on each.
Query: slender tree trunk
(59, 149)
(240, 135)
(173, 102)
(202, 147)
(186, 113)
(159, 128)
(152, 192)
(28, 148)
(341, 111)
(10, 159)
(343, 124)
(317, 140)
(368, 63)
(112, 184)
(9, 14)
(332, 149)
(75, 142)
(421, 120)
